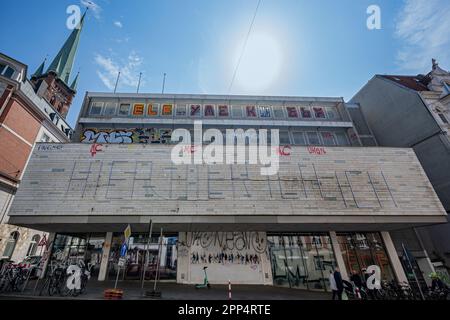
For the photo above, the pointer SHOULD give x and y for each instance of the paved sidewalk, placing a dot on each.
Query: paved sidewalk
(173, 291)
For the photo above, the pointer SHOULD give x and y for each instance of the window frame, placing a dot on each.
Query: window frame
(234, 107)
(261, 108)
(228, 111)
(163, 105)
(119, 111)
(107, 106)
(332, 136)
(213, 108)
(177, 107)
(307, 109)
(94, 104)
(200, 112)
(318, 136)
(303, 135)
(282, 110)
(323, 110)
(153, 106)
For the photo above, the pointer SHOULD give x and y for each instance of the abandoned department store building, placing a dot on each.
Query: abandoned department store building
(332, 202)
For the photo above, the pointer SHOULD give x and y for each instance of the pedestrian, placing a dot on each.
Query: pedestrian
(339, 283)
(333, 286)
(356, 279)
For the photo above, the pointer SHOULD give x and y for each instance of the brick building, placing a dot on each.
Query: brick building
(31, 110)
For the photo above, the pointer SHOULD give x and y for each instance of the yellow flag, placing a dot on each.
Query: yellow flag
(127, 232)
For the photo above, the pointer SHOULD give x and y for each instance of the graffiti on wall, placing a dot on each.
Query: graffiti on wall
(126, 136)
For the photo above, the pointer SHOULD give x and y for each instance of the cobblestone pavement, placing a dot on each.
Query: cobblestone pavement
(173, 291)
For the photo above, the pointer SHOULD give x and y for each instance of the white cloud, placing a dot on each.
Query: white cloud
(423, 28)
(118, 24)
(109, 69)
(94, 7)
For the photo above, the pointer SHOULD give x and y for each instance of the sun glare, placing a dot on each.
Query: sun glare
(261, 63)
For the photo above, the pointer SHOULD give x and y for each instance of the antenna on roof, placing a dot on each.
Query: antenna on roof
(117, 82)
(139, 82)
(164, 83)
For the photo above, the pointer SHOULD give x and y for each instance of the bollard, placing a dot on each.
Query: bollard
(229, 289)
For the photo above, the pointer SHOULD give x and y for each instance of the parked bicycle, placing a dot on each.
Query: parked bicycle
(13, 277)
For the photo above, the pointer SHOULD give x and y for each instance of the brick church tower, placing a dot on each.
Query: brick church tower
(54, 84)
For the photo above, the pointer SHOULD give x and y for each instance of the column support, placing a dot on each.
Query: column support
(105, 257)
(393, 257)
(338, 255)
(48, 253)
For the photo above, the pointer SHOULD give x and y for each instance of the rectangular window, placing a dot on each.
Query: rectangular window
(443, 118)
(292, 112)
(236, 111)
(278, 113)
(332, 113)
(181, 111)
(265, 112)
(223, 111)
(284, 138)
(195, 110)
(153, 109)
(209, 110)
(8, 72)
(138, 109)
(251, 112)
(306, 112)
(319, 113)
(124, 109)
(328, 139)
(110, 109)
(96, 108)
(2, 68)
(167, 110)
(313, 139)
(299, 138)
(342, 139)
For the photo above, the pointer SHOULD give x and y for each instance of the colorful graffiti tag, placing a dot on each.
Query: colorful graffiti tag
(125, 136)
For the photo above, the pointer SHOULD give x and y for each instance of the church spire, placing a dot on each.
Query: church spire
(74, 84)
(40, 71)
(63, 63)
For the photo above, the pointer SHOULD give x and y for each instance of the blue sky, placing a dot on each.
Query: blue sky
(297, 47)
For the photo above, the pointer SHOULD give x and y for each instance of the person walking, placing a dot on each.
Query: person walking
(333, 286)
(339, 283)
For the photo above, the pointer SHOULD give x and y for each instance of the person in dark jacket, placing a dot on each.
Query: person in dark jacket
(339, 282)
(356, 279)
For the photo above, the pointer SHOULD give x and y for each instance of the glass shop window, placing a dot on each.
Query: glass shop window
(319, 113)
(124, 109)
(313, 139)
(180, 111)
(284, 138)
(292, 112)
(278, 113)
(328, 139)
(299, 138)
(167, 110)
(342, 139)
(110, 109)
(332, 113)
(96, 108)
(138, 109)
(251, 112)
(236, 111)
(306, 112)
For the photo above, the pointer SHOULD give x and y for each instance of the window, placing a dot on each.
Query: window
(11, 244)
(265, 112)
(195, 110)
(306, 112)
(124, 109)
(278, 113)
(8, 72)
(209, 110)
(138, 109)
(292, 112)
(110, 109)
(236, 111)
(319, 113)
(251, 112)
(332, 113)
(313, 138)
(299, 138)
(447, 87)
(167, 110)
(342, 139)
(443, 118)
(153, 109)
(2, 67)
(284, 138)
(180, 111)
(328, 139)
(33, 245)
(224, 111)
(96, 108)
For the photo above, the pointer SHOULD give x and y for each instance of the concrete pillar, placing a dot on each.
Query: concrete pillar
(105, 257)
(393, 257)
(48, 254)
(338, 255)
